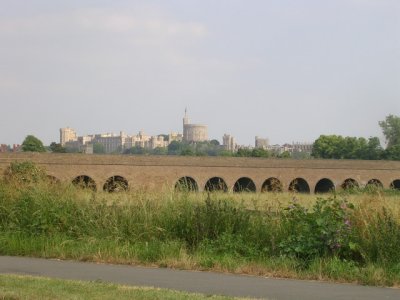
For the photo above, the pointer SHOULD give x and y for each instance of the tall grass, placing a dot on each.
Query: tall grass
(342, 237)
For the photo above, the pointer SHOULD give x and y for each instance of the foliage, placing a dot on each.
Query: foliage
(260, 152)
(57, 148)
(25, 172)
(160, 151)
(323, 231)
(210, 220)
(284, 154)
(391, 130)
(136, 150)
(206, 148)
(392, 152)
(32, 144)
(243, 152)
(98, 148)
(175, 148)
(338, 147)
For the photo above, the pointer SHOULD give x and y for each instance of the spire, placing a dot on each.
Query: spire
(185, 118)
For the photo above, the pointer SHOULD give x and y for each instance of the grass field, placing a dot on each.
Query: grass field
(348, 237)
(13, 287)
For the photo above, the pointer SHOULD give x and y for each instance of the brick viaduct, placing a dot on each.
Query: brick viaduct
(110, 172)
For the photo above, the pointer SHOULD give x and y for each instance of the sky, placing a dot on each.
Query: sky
(286, 70)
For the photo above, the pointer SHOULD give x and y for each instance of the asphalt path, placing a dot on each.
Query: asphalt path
(194, 281)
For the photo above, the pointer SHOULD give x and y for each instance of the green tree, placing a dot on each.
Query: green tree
(32, 144)
(136, 150)
(285, 154)
(226, 153)
(338, 147)
(187, 152)
(243, 152)
(98, 148)
(214, 142)
(259, 152)
(392, 153)
(373, 149)
(391, 130)
(159, 151)
(57, 148)
(329, 146)
(175, 148)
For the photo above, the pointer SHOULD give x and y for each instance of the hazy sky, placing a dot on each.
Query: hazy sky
(281, 69)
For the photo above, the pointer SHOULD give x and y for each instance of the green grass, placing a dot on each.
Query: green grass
(13, 287)
(239, 233)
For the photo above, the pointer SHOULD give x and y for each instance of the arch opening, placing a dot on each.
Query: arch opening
(115, 184)
(375, 183)
(272, 185)
(349, 184)
(244, 184)
(395, 184)
(84, 182)
(299, 185)
(216, 184)
(186, 184)
(325, 185)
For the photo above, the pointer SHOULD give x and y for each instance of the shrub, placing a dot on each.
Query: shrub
(25, 172)
(325, 230)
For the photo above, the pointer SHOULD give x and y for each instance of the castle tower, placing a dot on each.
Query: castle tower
(193, 132)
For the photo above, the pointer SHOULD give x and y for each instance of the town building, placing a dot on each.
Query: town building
(229, 143)
(67, 135)
(4, 148)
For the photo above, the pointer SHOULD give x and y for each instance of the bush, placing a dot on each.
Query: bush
(25, 172)
(325, 230)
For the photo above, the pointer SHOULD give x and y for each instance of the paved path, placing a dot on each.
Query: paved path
(192, 281)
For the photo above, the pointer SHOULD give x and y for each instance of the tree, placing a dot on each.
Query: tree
(373, 149)
(392, 153)
(391, 130)
(98, 148)
(259, 152)
(32, 144)
(175, 148)
(243, 152)
(136, 150)
(214, 142)
(285, 154)
(160, 151)
(338, 147)
(57, 148)
(328, 146)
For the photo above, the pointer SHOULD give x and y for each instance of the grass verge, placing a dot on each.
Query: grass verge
(13, 287)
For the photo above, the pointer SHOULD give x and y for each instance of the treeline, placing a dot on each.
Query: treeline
(338, 147)
(207, 148)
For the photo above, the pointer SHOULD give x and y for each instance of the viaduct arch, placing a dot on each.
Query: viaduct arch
(224, 174)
